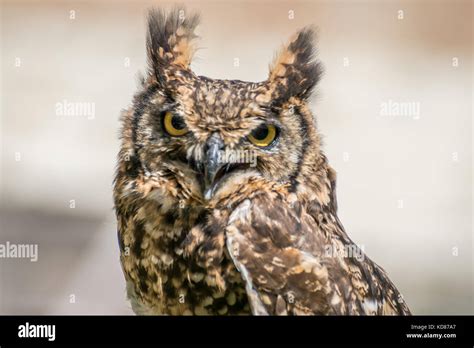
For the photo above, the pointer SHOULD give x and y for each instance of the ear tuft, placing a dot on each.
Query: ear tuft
(170, 39)
(295, 70)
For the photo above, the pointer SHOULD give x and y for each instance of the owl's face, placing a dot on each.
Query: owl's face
(205, 134)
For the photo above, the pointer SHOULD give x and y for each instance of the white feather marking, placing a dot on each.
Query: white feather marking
(370, 306)
(241, 212)
(255, 302)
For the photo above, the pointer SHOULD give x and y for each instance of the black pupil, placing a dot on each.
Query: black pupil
(178, 122)
(260, 133)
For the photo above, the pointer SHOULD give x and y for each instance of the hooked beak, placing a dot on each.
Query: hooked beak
(212, 163)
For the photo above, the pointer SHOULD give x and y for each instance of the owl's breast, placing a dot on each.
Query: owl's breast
(174, 262)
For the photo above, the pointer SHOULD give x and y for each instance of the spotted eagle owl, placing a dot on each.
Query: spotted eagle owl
(225, 201)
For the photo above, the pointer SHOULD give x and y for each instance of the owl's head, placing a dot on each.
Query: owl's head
(205, 134)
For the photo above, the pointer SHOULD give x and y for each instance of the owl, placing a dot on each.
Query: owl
(225, 201)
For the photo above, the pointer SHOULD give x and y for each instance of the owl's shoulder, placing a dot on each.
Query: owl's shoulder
(296, 258)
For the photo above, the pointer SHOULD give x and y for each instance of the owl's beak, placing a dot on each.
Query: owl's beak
(212, 163)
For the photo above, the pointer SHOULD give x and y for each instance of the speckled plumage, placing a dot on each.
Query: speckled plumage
(253, 239)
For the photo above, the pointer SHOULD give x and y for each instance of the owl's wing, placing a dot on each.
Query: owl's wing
(290, 264)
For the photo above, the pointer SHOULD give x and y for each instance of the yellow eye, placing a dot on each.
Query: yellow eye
(264, 135)
(174, 125)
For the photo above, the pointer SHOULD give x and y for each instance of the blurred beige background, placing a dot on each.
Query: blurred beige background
(405, 176)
